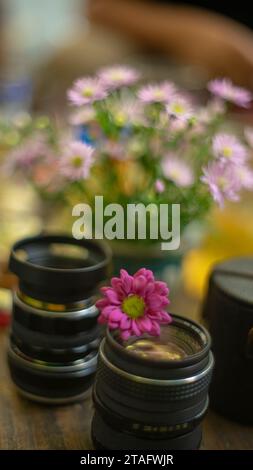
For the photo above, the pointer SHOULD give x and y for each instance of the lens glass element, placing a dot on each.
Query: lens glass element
(174, 344)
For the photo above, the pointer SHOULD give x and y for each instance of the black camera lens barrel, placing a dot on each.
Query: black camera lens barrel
(55, 336)
(151, 404)
(51, 383)
(46, 274)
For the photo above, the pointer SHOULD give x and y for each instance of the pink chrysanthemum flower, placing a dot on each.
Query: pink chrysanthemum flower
(117, 76)
(87, 91)
(180, 108)
(177, 171)
(76, 161)
(159, 186)
(227, 147)
(134, 304)
(157, 93)
(223, 181)
(225, 89)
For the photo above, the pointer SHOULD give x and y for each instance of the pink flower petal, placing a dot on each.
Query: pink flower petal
(144, 324)
(102, 320)
(161, 288)
(136, 329)
(156, 330)
(100, 304)
(125, 322)
(155, 301)
(125, 335)
(126, 281)
(112, 296)
(106, 312)
(139, 284)
(165, 317)
(147, 273)
(116, 315)
(117, 286)
(149, 288)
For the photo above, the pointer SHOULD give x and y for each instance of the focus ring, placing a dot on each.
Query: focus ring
(146, 391)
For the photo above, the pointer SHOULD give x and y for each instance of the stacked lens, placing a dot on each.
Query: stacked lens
(152, 393)
(54, 336)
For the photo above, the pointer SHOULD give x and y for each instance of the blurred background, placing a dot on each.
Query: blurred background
(45, 45)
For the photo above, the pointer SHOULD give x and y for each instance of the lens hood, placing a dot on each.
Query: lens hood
(59, 268)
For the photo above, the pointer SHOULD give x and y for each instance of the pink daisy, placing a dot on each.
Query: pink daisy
(157, 93)
(117, 76)
(225, 89)
(76, 161)
(127, 111)
(227, 147)
(177, 171)
(180, 108)
(223, 181)
(87, 91)
(134, 305)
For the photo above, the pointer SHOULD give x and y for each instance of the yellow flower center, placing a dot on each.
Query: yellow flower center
(159, 94)
(222, 182)
(77, 161)
(177, 108)
(120, 119)
(116, 76)
(87, 92)
(175, 173)
(133, 306)
(227, 152)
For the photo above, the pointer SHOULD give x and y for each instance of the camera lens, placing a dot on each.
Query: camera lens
(152, 393)
(55, 336)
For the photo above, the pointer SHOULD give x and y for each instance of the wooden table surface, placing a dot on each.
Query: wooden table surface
(26, 425)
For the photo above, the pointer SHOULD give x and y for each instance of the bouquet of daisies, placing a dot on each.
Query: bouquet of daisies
(135, 142)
